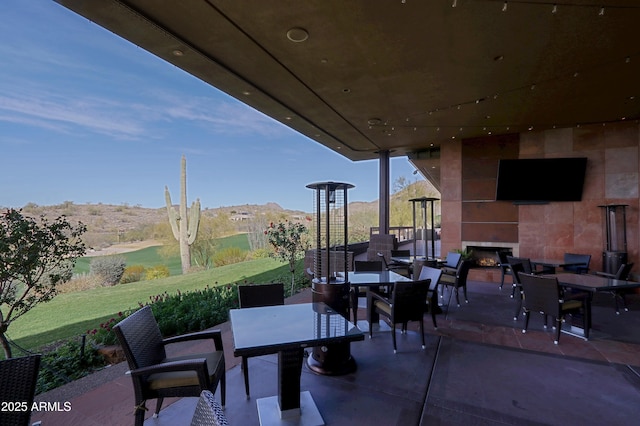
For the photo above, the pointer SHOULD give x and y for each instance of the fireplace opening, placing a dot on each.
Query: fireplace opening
(488, 257)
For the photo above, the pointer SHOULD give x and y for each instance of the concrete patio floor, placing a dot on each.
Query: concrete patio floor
(478, 369)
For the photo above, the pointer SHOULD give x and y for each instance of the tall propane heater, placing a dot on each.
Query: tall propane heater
(615, 237)
(331, 262)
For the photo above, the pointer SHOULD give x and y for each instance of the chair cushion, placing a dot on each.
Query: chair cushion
(571, 305)
(184, 378)
(450, 279)
(383, 307)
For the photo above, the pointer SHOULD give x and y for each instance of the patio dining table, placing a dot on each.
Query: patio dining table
(287, 330)
(590, 284)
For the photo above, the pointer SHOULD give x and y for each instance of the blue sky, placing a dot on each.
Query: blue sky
(88, 117)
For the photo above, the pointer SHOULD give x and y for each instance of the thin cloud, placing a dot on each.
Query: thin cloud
(219, 116)
(42, 112)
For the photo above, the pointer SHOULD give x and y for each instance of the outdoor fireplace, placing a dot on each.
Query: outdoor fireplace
(487, 256)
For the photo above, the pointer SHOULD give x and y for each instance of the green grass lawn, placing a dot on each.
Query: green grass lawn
(73, 314)
(149, 256)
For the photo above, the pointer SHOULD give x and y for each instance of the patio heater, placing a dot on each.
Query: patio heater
(615, 237)
(421, 232)
(331, 261)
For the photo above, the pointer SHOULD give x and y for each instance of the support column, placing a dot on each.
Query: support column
(384, 194)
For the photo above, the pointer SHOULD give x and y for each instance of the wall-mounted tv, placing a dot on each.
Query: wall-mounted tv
(540, 180)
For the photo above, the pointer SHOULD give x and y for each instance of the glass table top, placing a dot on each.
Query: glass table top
(372, 278)
(593, 282)
(274, 328)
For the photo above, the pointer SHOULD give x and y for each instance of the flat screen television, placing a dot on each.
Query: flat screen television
(540, 180)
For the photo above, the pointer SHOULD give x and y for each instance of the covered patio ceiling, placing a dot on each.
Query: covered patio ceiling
(404, 76)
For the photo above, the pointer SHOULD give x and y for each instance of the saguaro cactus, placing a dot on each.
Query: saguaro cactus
(185, 228)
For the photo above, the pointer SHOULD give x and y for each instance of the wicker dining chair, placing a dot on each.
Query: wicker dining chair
(18, 378)
(581, 263)
(406, 304)
(505, 268)
(451, 263)
(622, 273)
(254, 296)
(398, 267)
(458, 280)
(433, 275)
(208, 412)
(544, 295)
(156, 376)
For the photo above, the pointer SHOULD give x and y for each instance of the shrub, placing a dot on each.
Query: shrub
(195, 310)
(229, 256)
(110, 268)
(132, 274)
(301, 281)
(67, 363)
(158, 271)
(80, 282)
(261, 253)
(103, 334)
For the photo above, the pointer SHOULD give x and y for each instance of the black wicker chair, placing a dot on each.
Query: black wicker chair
(582, 261)
(208, 412)
(156, 376)
(527, 268)
(458, 280)
(516, 268)
(450, 265)
(254, 296)
(18, 377)
(406, 304)
(505, 268)
(432, 274)
(622, 274)
(399, 267)
(543, 294)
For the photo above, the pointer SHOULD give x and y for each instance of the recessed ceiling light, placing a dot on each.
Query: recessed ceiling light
(297, 35)
(177, 52)
(374, 121)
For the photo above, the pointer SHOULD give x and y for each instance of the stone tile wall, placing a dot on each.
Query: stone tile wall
(552, 229)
